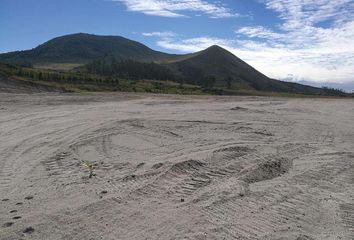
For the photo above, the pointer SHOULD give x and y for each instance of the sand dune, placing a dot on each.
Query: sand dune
(175, 167)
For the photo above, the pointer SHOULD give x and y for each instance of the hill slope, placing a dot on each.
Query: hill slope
(82, 48)
(230, 72)
(213, 67)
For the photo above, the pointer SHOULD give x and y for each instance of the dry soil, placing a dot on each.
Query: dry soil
(175, 167)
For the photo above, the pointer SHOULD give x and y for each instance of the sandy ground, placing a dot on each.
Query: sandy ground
(174, 167)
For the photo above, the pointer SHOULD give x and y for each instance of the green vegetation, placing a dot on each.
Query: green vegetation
(83, 48)
(84, 62)
(90, 167)
(128, 69)
(231, 73)
(333, 92)
(83, 82)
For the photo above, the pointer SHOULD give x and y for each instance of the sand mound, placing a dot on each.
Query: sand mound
(266, 170)
(186, 166)
(239, 109)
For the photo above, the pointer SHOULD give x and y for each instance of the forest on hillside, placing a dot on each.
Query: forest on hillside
(129, 69)
(129, 75)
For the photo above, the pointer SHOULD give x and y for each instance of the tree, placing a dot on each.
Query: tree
(228, 81)
(209, 82)
(129, 69)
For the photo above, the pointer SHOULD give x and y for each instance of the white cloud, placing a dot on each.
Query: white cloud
(192, 44)
(297, 13)
(316, 35)
(314, 42)
(160, 34)
(277, 62)
(260, 32)
(175, 8)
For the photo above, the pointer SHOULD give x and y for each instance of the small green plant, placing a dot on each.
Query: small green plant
(90, 166)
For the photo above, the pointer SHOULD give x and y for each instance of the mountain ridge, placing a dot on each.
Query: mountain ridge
(83, 47)
(214, 67)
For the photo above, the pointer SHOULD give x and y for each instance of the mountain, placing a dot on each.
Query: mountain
(346, 86)
(230, 72)
(213, 67)
(82, 48)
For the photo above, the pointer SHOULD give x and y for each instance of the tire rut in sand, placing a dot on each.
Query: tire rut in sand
(185, 178)
(12, 157)
(182, 179)
(295, 207)
(346, 211)
(255, 217)
(241, 214)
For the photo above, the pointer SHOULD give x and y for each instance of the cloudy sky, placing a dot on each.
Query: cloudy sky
(297, 40)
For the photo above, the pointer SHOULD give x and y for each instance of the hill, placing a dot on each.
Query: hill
(229, 71)
(83, 48)
(115, 57)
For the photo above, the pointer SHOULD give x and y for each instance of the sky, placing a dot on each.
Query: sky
(295, 40)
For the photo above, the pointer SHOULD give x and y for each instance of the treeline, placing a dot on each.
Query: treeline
(195, 76)
(53, 76)
(333, 91)
(76, 82)
(129, 69)
(133, 70)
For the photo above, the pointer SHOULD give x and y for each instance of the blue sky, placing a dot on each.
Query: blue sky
(286, 39)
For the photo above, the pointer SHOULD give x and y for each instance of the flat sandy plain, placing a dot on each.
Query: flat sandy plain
(175, 167)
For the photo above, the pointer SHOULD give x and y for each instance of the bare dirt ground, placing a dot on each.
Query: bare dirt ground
(175, 167)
